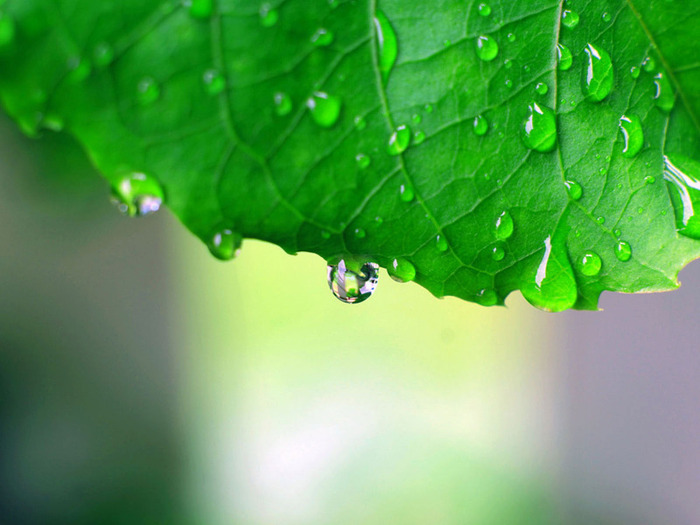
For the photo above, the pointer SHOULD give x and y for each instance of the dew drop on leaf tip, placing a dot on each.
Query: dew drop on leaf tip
(402, 270)
(351, 280)
(225, 244)
(137, 195)
(487, 297)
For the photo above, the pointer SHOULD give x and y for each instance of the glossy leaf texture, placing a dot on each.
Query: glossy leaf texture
(539, 145)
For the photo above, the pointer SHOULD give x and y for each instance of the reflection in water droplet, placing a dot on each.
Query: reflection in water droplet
(441, 243)
(564, 57)
(387, 44)
(552, 286)
(541, 88)
(402, 270)
(623, 251)
(353, 281)
(540, 128)
(683, 177)
(322, 37)
(484, 9)
(283, 104)
(607, 17)
(137, 195)
(486, 48)
(214, 81)
(504, 226)
(225, 244)
(268, 15)
(324, 108)
(148, 91)
(363, 161)
(102, 54)
(590, 264)
(201, 8)
(574, 189)
(631, 128)
(481, 125)
(598, 76)
(570, 18)
(498, 253)
(399, 140)
(664, 98)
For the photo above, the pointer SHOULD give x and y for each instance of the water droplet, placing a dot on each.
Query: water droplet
(148, 91)
(600, 220)
(617, 232)
(540, 128)
(360, 123)
(402, 270)
(590, 264)
(7, 30)
(570, 18)
(664, 98)
(481, 125)
(79, 69)
(631, 128)
(268, 15)
(225, 244)
(603, 171)
(649, 179)
(137, 195)
(552, 286)
(484, 9)
(407, 192)
(597, 74)
(387, 44)
(441, 243)
(649, 65)
(201, 8)
(683, 177)
(511, 37)
(487, 297)
(325, 234)
(507, 63)
(363, 161)
(53, 122)
(564, 57)
(606, 17)
(418, 138)
(509, 83)
(428, 108)
(574, 189)
(214, 81)
(360, 233)
(634, 71)
(399, 140)
(102, 54)
(353, 281)
(623, 251)
(283, 104)
(417, 118)
(486, 48)
(322, 37)
(504, 226)
(379, 221)
(498, 253)
(324, 108)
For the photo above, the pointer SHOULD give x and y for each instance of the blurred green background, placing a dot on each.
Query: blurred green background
(144, 382)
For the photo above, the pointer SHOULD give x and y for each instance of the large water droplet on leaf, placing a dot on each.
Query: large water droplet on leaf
(137, 195)
(387, 44)
(481, 125)
(631, 128)
(598, 75)
(399, 140)
(540, 128)
(552, 287)
(486, 48)
(590, 264)
(324, 108)
(683, 177)
(665, 98)
(504, 226)
(574, 190)
(623, 251)
(564, 57)
(570, 18)
(351, 280)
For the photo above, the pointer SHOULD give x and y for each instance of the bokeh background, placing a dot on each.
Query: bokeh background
(144, 382)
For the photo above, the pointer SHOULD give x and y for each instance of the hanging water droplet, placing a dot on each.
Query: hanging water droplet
(399, 140)
(598, 76)
(137, 195)
(607, 17)
(623, 251)
(441, 243)
(683, 179)
(324, 108)
(201, 8)
(268, 15)
(225, 244)
(541, 88)
(634, 72)
(214, 81)
(387, 44)
(402, 270)
(570, 18)
(664, 98)
(360, 123)
(504, 226)
(147, 91)
(487, 297)
(540, 128)
(102, 55)
(481, 125)
(407, 192)
(363, 161)
(486, 48)
(631, 128)
(484, 9)
(322, 37)
(574, 190)
(552, 286)
(7, 30)
(418, 138)
(352, 281)
(590, 264)
(564, 57)
(283, 104)
(498, 253)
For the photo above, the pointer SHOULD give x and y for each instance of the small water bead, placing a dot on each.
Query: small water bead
(487, 297)
(541, 88)
(418, 138)
(498, 253)
(511, 37)
(509, 83)
(617, 232)
(387, 44)
(570, 18)
(623, 251)
(632, 132)
(352, 281)
(407, 193)
(214, 81)
(540, 128)
(526, 68)
(148, 91)
(283, 104)
(360, 123)
(378, 221)
(102, 55)
(504, 226)
(486, 48)
(324, 108)
(400, 140)
(598, 76)
(137, 195)
(79, 69)
(268, 15)
(447, 43)
(225, 244)
(649, 179)
(428, 108)
(564, 57)
(634, 72)
(441, 244)
(603, 171)
(322, 37)
(360, 233)
(201, 8)
(416, 118)
(600, 220)
(363, 161)
(607, 17)
(665, 98)
(481, 125)
(574, 190)
(484, 9)
(590, 264)
(683, 179)
(7, 30)
(649, 64)
(507, 63)
(402, 270)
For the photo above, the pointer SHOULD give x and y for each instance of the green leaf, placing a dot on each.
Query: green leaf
(441, 139)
